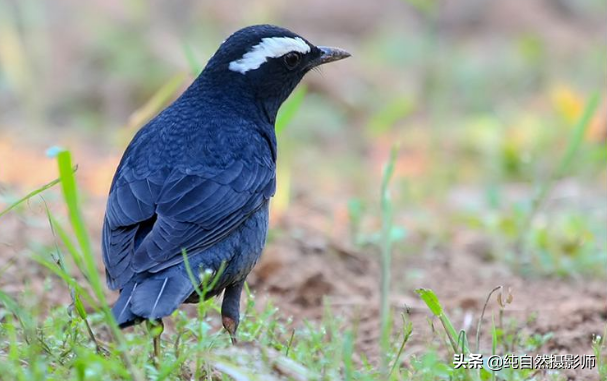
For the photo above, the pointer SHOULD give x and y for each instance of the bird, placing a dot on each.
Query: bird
(191, 193)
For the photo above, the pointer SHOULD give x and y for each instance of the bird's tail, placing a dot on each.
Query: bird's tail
(121, 310)
(152, 299)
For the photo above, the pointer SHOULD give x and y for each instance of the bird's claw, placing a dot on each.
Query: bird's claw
(230, 325)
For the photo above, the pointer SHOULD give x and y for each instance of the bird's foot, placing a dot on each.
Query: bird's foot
(156, 328)
(230, 325)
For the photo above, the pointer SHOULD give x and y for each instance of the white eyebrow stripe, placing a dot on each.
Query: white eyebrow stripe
(269, 47)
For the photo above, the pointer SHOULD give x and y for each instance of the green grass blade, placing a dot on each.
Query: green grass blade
(60, 261)
(23, 317)
(191, 276)
(431, 300)
(68, 243)
(577, 136)
(32, 194)
(289, 109)
(68, 279)
(195, 65)
(407, 331)
(68, 185)
(386, 258)
(348, 351)
(575, 142)
(70, 195)
(493, 344)
(157, 102)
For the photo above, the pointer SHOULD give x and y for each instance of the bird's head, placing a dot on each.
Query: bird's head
(265, 63)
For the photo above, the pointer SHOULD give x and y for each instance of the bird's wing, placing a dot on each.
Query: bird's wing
(130, 215)
(150, 221)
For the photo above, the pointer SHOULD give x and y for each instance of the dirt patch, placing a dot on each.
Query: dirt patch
(299, 274)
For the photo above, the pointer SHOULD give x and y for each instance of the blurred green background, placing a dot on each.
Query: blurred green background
(498, 110)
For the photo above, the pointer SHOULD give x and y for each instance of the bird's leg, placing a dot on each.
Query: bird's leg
(230, 309)
(156, 327)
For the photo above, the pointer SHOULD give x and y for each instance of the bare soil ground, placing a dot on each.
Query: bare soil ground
(299, 273)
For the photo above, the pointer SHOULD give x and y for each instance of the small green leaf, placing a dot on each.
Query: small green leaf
(431, 300)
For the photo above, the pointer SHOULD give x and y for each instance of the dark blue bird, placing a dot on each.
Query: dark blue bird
(199, 176)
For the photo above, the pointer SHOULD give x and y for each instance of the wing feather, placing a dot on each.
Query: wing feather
(149, 221)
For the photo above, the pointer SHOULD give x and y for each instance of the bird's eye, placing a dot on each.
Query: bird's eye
(292, 59)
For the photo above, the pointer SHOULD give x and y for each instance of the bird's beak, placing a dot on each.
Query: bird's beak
(330, 55)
